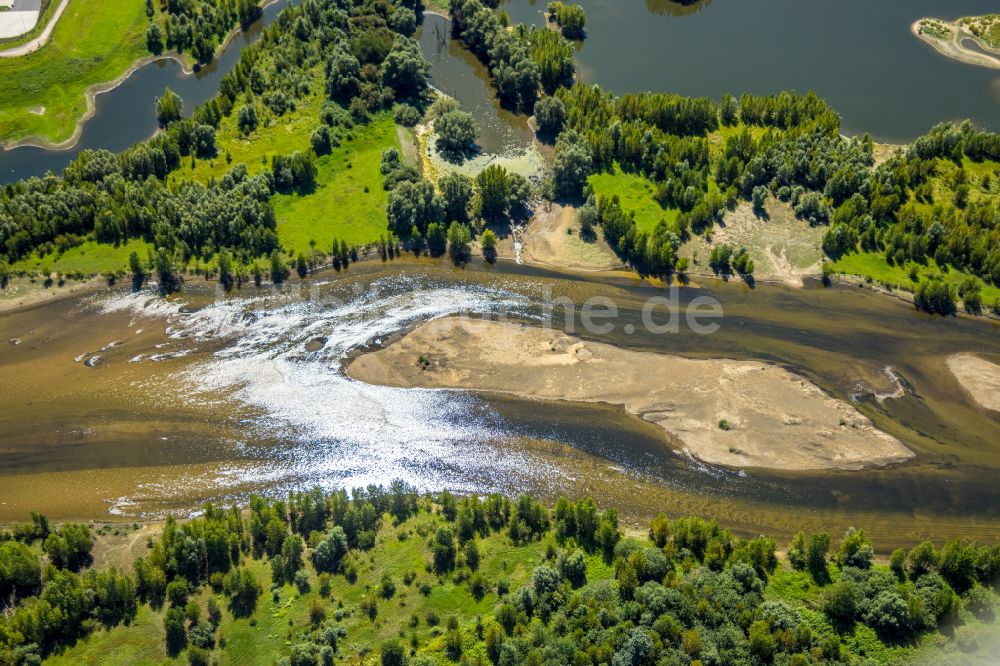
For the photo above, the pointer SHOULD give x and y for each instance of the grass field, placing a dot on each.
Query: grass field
(348, 203)
(89, 258)
(95, 41)
(279, 136)
(635, 194)
(874, 266)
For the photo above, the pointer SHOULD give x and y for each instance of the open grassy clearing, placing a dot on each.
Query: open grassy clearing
(89, 258)
(349, 202)
(873, 266)
(94, 42)
(635, 194)
(276, 135)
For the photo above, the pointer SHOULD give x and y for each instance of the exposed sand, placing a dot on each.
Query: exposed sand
(777, 419)
(552, 239)
(979, 377)
(954, 46)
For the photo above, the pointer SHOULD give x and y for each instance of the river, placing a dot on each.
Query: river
(211, 398)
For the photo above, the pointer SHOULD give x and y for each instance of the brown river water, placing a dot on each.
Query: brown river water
(125, 405)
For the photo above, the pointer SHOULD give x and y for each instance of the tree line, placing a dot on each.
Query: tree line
(688, 591)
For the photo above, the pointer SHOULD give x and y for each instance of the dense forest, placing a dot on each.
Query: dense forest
(686, 592)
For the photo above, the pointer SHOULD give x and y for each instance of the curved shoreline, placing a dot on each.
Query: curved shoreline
(91, 93)
(744, 414)
(954, 48)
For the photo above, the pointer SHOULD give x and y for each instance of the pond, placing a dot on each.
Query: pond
(859, 55)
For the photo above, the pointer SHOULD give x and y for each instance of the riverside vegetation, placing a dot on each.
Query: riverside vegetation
(394, 577)
(924, 220)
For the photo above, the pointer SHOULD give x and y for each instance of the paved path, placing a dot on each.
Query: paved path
(40, 41)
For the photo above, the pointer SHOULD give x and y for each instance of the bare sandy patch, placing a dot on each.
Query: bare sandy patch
(739, 413)
(955, 40)
(979, 377)
(784, 248)
(552, 238)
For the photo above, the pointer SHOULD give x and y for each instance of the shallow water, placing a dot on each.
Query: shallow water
(248, 396)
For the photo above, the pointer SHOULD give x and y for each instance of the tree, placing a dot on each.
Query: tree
(225, 263)
(456, 194)
(137, 269)
(176, 634)
(840, 603)
(488, 241)
(301, 267)
(154, 39)
(394, 654)
(888, 614)
(498, 191)
(168, 107)
(456, 132)
(405, 69)
(819, 544)
(571, 19)
(550, 114)
(166, 272)
(279, 271)
(574, 568)
(437, 239)
(762, 643)
(856, 549)
(20, 570)
(243, 590)
(329, 553)
(444, 549)
(459, 238)
(571, 166)
(246, 118)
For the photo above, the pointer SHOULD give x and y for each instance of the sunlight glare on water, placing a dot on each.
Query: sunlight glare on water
(344, 433)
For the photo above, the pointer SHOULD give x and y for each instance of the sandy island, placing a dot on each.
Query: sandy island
(952, 38)
(979, 377)
(774, 418)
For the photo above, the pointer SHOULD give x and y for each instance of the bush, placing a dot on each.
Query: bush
(406, 115)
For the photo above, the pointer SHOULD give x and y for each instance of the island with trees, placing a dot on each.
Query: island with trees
(971, 39)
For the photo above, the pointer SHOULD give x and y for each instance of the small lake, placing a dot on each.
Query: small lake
(126, 114)
(859, 55)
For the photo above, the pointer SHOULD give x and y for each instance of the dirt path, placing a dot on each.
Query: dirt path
(38, 42)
